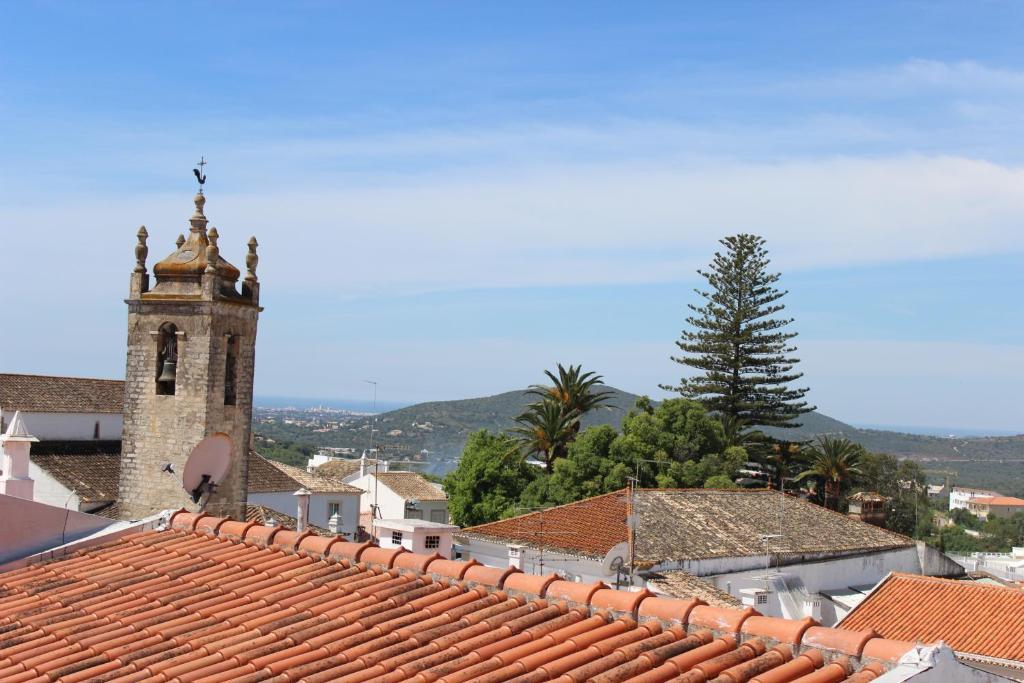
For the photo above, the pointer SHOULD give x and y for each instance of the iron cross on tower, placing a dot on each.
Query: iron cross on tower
(200, 174)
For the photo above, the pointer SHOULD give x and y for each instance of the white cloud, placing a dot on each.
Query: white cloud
(564, 224)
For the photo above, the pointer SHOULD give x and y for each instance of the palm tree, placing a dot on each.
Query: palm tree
(835, 461)
(575, 391)
(545, 429)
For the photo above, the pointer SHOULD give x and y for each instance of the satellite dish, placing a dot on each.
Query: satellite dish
(207, 465)
(615, 558)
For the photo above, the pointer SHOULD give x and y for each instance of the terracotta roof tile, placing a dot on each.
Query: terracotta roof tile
(46, 394)
(589, 527)
(93, 475)
(999, 500)
(261, 515)
(682, 584)
(970, 617)
(189, 605)
(266, 475)
(411, 486)
(343, 467)
(690, 524)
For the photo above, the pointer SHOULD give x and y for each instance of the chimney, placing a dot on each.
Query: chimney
(362, 464)
(515, 556)
(303, 514)
(15, 445)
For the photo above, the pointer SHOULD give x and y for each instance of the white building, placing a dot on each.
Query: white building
(63, 408)
(415, 535)
(348, 470)
(782, 555)
(333, 504)
(400, 495)
(960, 497)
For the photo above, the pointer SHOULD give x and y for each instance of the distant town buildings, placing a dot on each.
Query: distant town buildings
(333, 505)
(960, 497)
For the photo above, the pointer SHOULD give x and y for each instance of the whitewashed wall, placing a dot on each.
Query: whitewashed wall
(48, 490)
(286, 502)
(533, 561)
(415, 541)
(393, 506)
(70, 426)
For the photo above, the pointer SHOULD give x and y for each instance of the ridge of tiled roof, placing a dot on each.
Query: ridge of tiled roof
(52, 394)
(708, 523)
(975, 618)
(218, 600)
(268, 476)
(411, 485)
(90, 472)
(686, 524)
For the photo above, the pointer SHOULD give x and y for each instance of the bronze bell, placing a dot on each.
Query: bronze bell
(169, 371)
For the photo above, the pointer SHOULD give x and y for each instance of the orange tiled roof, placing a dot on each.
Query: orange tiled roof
(218, 600)
(975, 618)
(692, 524)
(998, 500)
(589, 527)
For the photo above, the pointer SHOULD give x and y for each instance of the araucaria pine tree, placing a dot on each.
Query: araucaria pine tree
(738, 344)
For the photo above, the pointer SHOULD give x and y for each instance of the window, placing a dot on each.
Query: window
(166, 359)
(432, 543)
(439, 516)
(413, 513)
(230, 369)
(396, 537)
(762, 598)
(333, 508)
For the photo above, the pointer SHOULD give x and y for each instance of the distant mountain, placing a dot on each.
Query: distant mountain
(441, 427)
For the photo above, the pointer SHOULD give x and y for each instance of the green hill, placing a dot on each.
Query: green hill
(441, 428)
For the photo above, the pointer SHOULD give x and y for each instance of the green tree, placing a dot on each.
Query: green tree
(489, 480)
(548, 426)
(676, 443)
(738, 345)
(544, 430)
(576, 391)
(834, 461)
(719, 481)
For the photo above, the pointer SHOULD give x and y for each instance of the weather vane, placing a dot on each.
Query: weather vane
(200, 174)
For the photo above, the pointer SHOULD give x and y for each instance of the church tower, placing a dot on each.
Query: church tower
(188, 388)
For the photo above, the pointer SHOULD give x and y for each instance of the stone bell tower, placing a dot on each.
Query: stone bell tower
(191, 353)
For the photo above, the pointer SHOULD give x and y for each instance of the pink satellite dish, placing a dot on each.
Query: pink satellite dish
(208, 463)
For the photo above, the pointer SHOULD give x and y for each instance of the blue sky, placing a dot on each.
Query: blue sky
(450, 197)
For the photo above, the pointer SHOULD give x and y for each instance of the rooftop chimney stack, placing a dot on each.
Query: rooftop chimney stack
(16, 443)
(302, 517)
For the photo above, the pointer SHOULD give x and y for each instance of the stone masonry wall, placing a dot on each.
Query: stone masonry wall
(162, 429)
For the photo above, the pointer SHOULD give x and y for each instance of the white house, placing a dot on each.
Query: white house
(960, 497)
(348, 470)
(63, 408)
(333, 504)
(400, 495)
(782, 555)
(415, 535)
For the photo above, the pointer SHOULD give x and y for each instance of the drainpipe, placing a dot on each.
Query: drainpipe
(303, 514)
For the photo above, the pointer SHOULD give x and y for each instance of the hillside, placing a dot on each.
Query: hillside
(441, 427)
